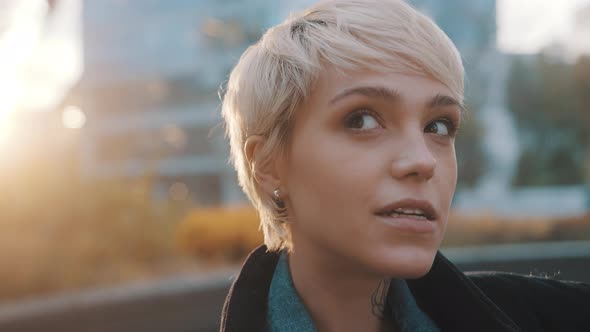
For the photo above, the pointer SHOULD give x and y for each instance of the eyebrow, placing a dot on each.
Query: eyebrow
(368, 91)
(440, 100)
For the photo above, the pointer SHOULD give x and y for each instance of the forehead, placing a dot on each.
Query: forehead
(336, 84)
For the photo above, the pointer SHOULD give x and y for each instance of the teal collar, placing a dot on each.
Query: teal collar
(288, 314)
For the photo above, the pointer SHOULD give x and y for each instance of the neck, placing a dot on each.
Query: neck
(337, 296)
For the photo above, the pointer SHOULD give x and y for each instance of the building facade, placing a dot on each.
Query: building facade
(153, 69)
(150, 90)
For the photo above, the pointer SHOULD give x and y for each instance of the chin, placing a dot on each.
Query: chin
(417, 271)
(406, 263)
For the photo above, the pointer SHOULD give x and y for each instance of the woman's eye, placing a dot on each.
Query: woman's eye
(362, 121)
(440, 127)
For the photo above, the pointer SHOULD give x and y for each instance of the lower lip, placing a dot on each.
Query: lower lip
(412, 225)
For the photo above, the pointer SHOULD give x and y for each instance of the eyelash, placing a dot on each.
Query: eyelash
(453, 125)
(360, 112)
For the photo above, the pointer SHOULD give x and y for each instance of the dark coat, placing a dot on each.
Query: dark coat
(483, 301)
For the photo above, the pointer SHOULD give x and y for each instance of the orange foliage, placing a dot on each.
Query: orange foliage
(489, 229)
(229, 234)
(220, 233)
(60, 231)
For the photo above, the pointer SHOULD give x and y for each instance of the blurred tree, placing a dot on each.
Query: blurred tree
(60, 230)
(582, 86)
(471, 158)
(549, 99)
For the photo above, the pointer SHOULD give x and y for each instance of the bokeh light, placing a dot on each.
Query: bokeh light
(73, 118)
(178, 191)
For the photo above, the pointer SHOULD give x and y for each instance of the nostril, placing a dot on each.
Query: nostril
(414, 166)
(414, 157)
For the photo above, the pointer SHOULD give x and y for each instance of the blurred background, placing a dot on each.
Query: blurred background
(115, 187)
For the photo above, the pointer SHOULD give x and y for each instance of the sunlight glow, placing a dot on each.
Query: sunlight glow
(17, 44)
(10, 94)
(40, 56)
(526, 26)
(12, 89)
(5, 129)
(73, 118)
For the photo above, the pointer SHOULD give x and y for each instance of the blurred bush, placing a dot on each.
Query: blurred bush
(229, 234)
(220, 234)
(59, 232)
(465, 230)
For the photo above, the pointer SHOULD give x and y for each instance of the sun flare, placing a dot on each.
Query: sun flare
(40, 58)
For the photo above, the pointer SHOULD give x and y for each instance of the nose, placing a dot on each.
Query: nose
(415, 160)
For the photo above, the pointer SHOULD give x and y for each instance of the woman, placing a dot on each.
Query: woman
(342, 122)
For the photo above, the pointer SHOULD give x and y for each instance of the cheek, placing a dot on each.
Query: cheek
(447, 178)
(329, 177)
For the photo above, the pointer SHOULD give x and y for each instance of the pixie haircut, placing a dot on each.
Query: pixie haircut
(275, 75)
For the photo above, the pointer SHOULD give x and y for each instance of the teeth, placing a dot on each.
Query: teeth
(409, 211)
(398, 215)
(406, 213)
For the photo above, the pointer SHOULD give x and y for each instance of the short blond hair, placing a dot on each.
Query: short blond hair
(276, 74)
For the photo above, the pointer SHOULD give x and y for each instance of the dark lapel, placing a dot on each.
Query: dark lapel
(245, 306)
(455, 303)
(445, 294)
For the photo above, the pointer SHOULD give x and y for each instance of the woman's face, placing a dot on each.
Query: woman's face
(370, 171)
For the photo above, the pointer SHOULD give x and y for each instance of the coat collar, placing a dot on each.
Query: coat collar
(453, 301)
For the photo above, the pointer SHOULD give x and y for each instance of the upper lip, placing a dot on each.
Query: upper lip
(415, 204)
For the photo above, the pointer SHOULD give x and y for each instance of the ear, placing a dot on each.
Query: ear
(265, 170)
